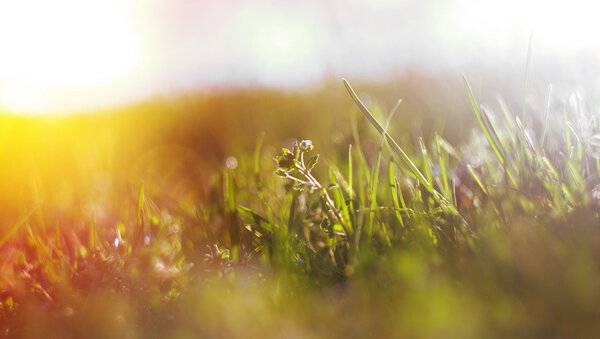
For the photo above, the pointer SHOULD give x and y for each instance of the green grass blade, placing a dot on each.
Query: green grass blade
(526, 137)
(374, 183)
(426, 162)
(352, 195)
(393, 144)
(394, 190)
(486, 131)
(477, 179)
(362, 165)
(400, 195)
(443, 163)
(350, 172)
(547, 117)
(260, 223)
(341, 186)
(579, 153)
(508, 116)
(450, 150)
(487, 120)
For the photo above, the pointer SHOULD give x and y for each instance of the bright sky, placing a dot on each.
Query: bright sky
(69, 55)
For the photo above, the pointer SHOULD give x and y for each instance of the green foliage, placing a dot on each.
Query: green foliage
(494, 238)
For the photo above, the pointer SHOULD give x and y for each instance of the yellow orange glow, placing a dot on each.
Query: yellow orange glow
(52, 46)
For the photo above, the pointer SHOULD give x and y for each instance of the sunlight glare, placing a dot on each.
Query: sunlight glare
(282, 46)
(562, 26)
(23, 99)
(49, 46)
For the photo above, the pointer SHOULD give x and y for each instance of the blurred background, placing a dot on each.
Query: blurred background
(67, 55)
(101, 96)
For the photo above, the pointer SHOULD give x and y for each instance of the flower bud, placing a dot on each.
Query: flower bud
(306, 146)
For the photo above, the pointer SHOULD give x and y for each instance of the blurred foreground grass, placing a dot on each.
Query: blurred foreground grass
(167, 219)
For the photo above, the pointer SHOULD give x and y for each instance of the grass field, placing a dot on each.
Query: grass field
(436, 217)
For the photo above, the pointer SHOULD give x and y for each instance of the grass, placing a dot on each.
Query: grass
(494, 237)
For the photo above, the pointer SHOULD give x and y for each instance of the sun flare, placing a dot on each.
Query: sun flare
(70, 55)
(52, 46)
(559, 26)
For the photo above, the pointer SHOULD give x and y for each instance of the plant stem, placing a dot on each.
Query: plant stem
(324, 195)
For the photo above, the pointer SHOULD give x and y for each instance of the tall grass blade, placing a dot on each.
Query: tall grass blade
(394, 190)
(477, 179)
(488, 134)
(426, 162)
(443, 163)
(579, 153)
(362, 165)
(508, 116)
(546, 117)
(393, 144)
(374, 184)
(526, 80)
(341, 186)
(526, 137)
(487, 120)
